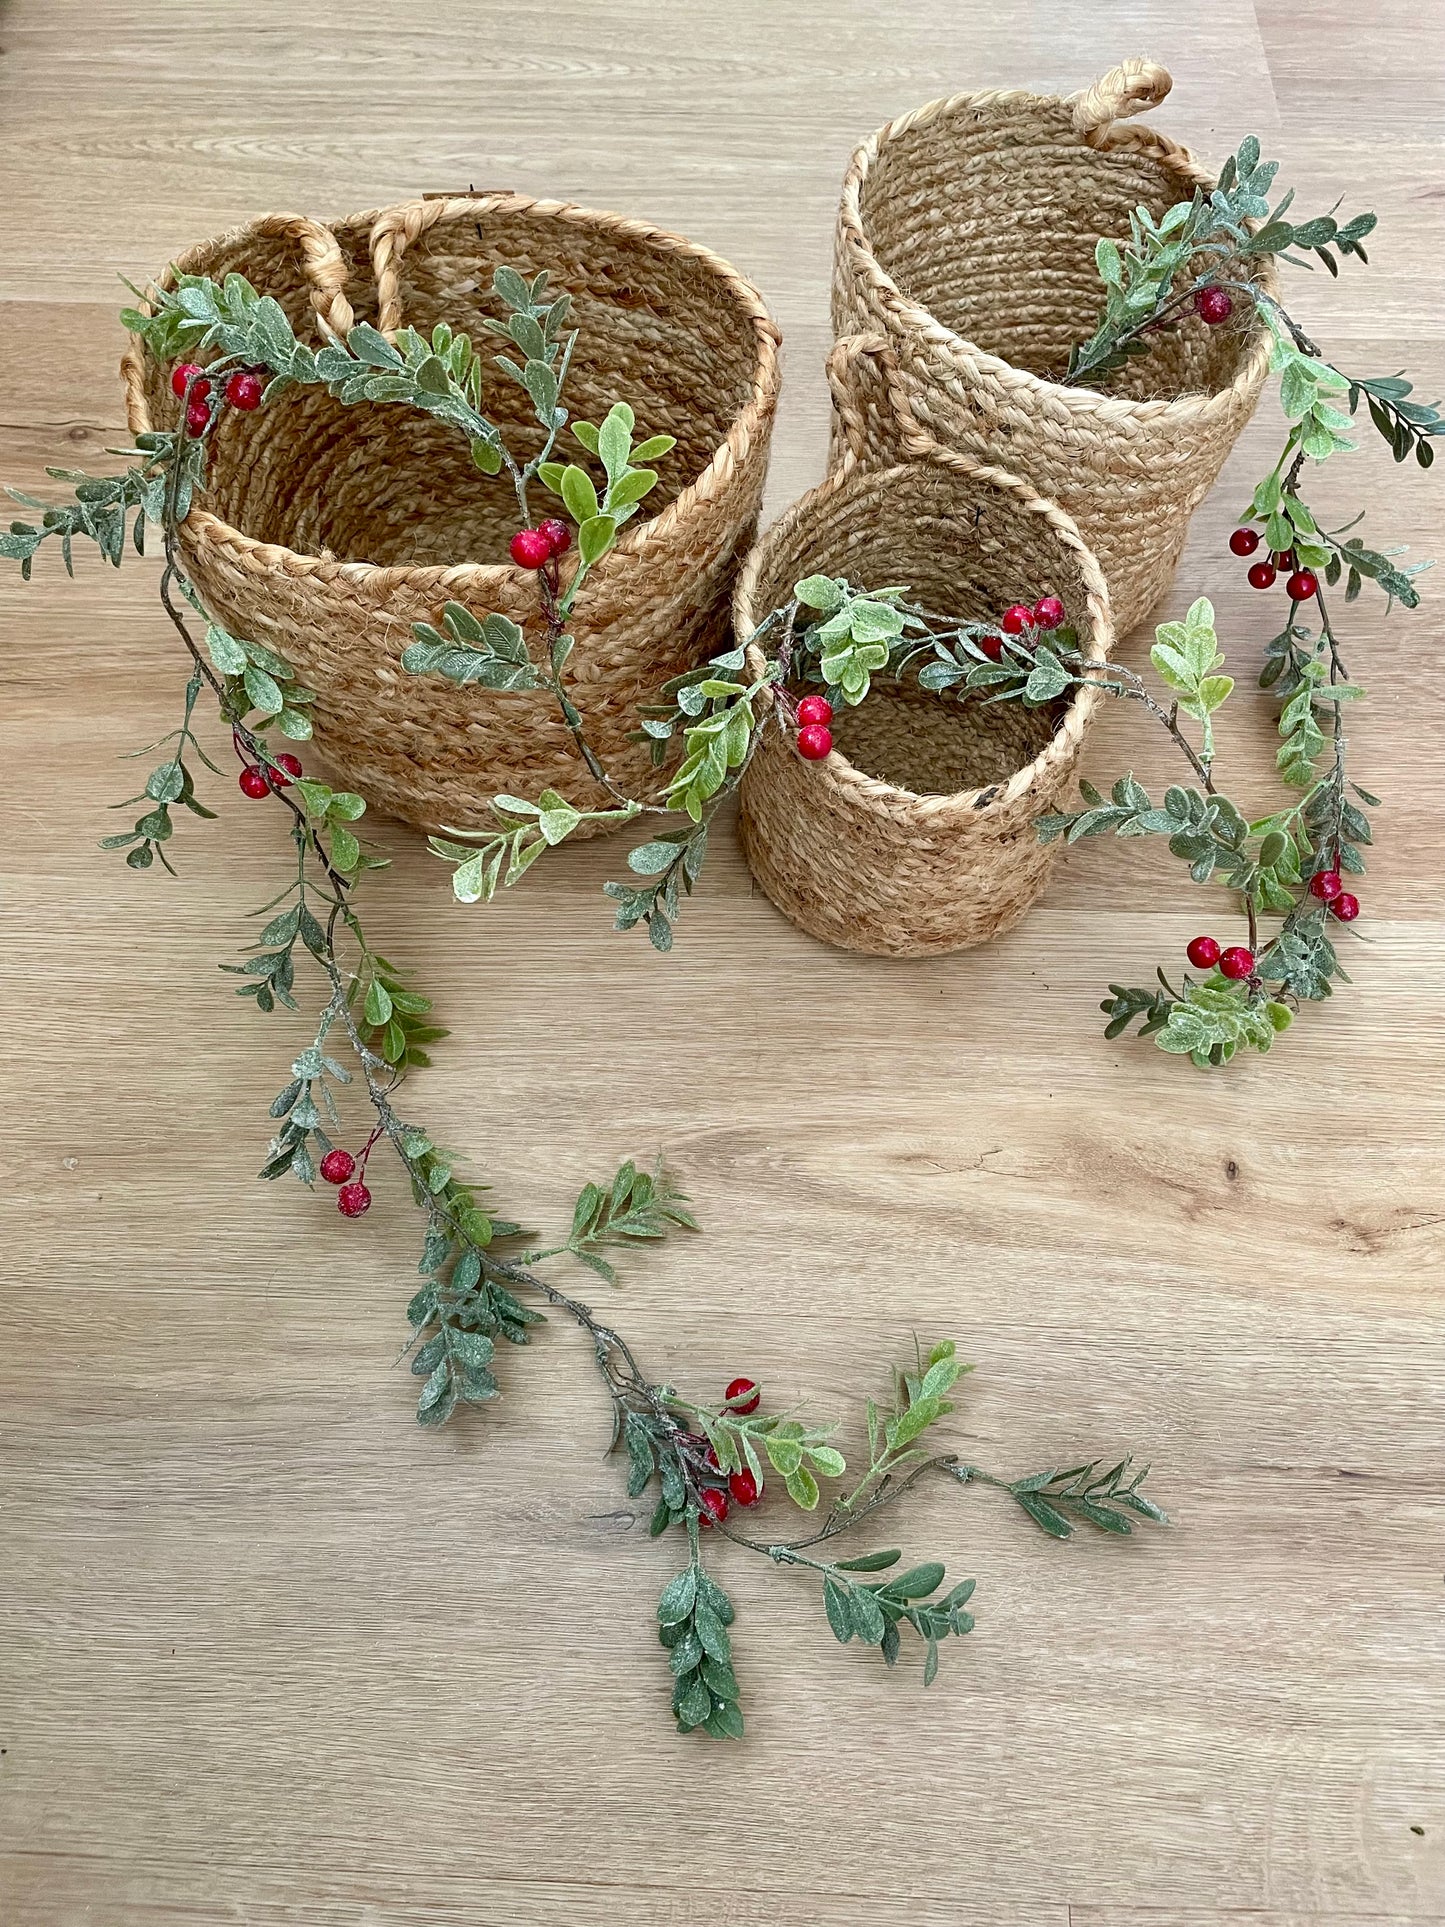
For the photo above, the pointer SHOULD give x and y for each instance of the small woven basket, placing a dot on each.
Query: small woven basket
(327, 530)
(966, 239)
(917, 835)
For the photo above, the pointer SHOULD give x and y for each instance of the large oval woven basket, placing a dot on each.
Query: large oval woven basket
(327, 530)
(917, 835)
(966, 239)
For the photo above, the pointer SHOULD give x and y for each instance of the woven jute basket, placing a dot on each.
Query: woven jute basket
(327, 530)
(917, 835)
(966, 239)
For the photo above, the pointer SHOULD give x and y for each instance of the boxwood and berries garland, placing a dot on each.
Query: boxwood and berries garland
(708, 1463)
(1298, 861)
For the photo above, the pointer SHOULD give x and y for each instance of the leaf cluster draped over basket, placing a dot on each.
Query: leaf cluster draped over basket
(966, 240)
(329, 529)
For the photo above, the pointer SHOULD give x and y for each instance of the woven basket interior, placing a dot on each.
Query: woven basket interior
(987, 217)
(965, 549)
(381, 483)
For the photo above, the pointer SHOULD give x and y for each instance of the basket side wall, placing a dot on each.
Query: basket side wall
(860, 862)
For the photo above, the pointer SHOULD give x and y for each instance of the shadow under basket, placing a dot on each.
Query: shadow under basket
(326, 529)
(917, 835)
(965, 243)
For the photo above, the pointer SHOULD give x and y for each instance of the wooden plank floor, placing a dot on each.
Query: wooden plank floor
(268, 1651)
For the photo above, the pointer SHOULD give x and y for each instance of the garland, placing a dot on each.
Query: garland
(823, 648)
(707, 1462)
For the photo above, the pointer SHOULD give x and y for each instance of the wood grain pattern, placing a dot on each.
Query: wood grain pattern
(270, 1653)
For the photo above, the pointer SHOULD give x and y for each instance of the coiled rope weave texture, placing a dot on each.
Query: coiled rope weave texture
(327, 530)
(917, 835)
(966, 238)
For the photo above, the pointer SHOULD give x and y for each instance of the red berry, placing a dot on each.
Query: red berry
(353, 1199)
(559, 536)
(337, 1166)
(1244, 541)
(814, 742)
(1285, 560)
(286, 768)
(530, 549)
(744, 1390)
(1203, 953)
(815, 709)
(1213, 305)
(181, 375)
(1048, 612)
(1326, 885)
(1301, 585)
(198, 418)
(1016, 619)
(1345, 907)
(1262, 575)
(710, 1457)
(253, 781)
(744, 1487)
(992, 647)
(245, 389)
(714, 1505)
(1237, 962)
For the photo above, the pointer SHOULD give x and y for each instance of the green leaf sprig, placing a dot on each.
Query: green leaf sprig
(628, 480)
(693, 1616)
(633, 1207)
(873, 1610)
(107, 509)
(1107, 1499)
(1211, 240)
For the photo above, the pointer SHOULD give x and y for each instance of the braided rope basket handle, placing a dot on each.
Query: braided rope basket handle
(392, 232)
(1133, 87)
(916, 441)
(847, 382)
(323, 264)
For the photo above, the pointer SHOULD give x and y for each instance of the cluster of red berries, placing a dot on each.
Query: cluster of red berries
(1238, 962)
(815, 739)
(1019, 617)
(257, 782)
(1301, 583)
(353, 1198)
(742, 1397)
(243, 390)
(1329, 887)
(535, 548)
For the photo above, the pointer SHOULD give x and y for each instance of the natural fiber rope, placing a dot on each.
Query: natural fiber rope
(330, 529)
(973, 220)
(1132, 87)
(856, 850)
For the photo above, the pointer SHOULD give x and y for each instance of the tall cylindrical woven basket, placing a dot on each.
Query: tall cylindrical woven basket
(966, 239)
(327, 530)
(917, 835)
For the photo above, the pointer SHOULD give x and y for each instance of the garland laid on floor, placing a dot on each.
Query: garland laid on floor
(706, 1461)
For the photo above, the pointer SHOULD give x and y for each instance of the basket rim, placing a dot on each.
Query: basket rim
(730, 454)
(907, 318)
(844, 777)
